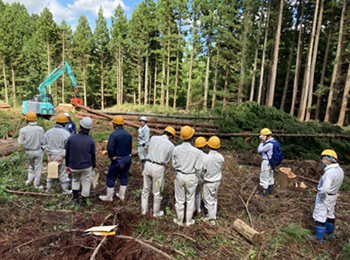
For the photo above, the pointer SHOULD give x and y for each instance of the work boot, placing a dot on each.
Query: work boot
(144, 205)
(109, 196)
(190, 223)
(121, 193)
(189, 220)
(329, 227)
(83, 201)
(64, 187)
(48, 186)
(156, 208)
(263, 193)
(179, 217)
(319, 234)
(30, 179)
(270, 189)
(197, 203)
(75, 197)
(37, 184)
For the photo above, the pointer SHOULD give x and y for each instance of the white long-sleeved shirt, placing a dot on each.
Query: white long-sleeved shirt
(143, 137)
(266, 149)
(31, 137)
(56, 139)
(331, 180)
(186, 159)
(160, 149)
(212, 166)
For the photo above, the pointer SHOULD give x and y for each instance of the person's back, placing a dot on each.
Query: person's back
(160, 149)
(212, 166)
(331, 180)
(185, 158)
(31, 136)
(119, 143)
(56, 139)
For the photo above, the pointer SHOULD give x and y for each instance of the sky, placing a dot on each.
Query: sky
(70, 10)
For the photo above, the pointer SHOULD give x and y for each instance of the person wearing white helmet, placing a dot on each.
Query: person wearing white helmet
(143, 140)
(70, 126)
(80, 159)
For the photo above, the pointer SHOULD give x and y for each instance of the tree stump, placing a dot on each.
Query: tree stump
(285, 177)
(245, 230)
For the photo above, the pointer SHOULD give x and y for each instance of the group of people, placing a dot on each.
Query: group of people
(198, 174)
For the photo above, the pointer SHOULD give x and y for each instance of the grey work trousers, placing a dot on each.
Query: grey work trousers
(153, 175)
(35, 158)
(62, 175)
(82, 176)
(210, 197)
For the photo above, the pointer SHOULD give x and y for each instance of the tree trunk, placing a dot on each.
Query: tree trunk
(263, 54)
(290, 60)
(13, 84)
(313, 64)
(206, 87)
(118, 78)
(102, 89)
(63, 54)
(5, 81)
(84, 80)
(298, 60)
(121, 73)
(190, 69)
(177, 61)
(244, 50)
(48, 62)
(162, 83)
(139, 79)
(336, 65)
(215, 80)
(168, 65)
(146, 79)
(155, 83)
(275, 58)
(323, 75)
(224, 103)
(344, 102)
(56, 88)
(251, 98)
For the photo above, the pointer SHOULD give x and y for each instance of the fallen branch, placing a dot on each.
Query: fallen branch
(246, 182)
(31, 193)
(160, 245)
(179, 234)
(308, 179)
(146, 245)
(246, 208)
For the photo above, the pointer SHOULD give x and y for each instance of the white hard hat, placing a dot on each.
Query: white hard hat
(86, 122)
(66, 114)
(143, 118)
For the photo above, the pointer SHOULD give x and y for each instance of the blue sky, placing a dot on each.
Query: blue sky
(70, 10)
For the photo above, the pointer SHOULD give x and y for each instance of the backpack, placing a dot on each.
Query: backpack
(277, 155)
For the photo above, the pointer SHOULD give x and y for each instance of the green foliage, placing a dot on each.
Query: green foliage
(10, 122)
(100, 136)
(346, 183)
(346, 251)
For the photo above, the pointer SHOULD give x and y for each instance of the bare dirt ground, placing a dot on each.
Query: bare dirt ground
(41, 227)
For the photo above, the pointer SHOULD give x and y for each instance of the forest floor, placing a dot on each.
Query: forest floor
(50, 227)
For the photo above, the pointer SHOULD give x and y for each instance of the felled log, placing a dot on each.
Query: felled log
(8, 147)
(246, 231)
(285, 177)
(4, 106)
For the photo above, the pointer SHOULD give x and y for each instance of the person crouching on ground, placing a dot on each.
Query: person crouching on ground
(212, 177)
(159, 154)
(326, 198)
(200, 143)
(266, 174)
(143, 140)
(119, 149)
(32, 138)
(80, 159)
(56, 139)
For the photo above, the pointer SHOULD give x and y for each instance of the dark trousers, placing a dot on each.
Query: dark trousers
(119, 168)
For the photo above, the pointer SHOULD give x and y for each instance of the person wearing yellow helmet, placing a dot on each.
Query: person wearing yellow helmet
(32, 138)
(187, 165)
(143, 140)
(159, 154)
(200, 143)
(119, 149)
(326, 198)
(212, 177)
(56, 139)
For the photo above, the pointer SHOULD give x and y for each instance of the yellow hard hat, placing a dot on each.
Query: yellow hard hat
(214, 142)
(186, 132)
(329, 152)
(118, 120)
(265, 131)
(170, 130)
(200, 142)
(31, 116)
(62, 119)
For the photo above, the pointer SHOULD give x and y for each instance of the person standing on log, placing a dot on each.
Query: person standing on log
(200, 143)
(70, 126)
(326, 198)
(266, 174)
(159, 154)
(119, 149)
(32, 138)
(187, 165)
(56, 139)
(80, 159)
(143, 140)
(212, 177)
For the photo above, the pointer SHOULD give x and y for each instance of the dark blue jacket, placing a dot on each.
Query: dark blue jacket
(80, 151)
(70, 126)
(119, 143)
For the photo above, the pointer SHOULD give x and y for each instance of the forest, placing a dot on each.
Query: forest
(190, 55)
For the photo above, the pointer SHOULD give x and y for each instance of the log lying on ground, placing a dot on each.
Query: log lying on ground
(285, 177)
(4, 106)
(245, 230)
(8, 147)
